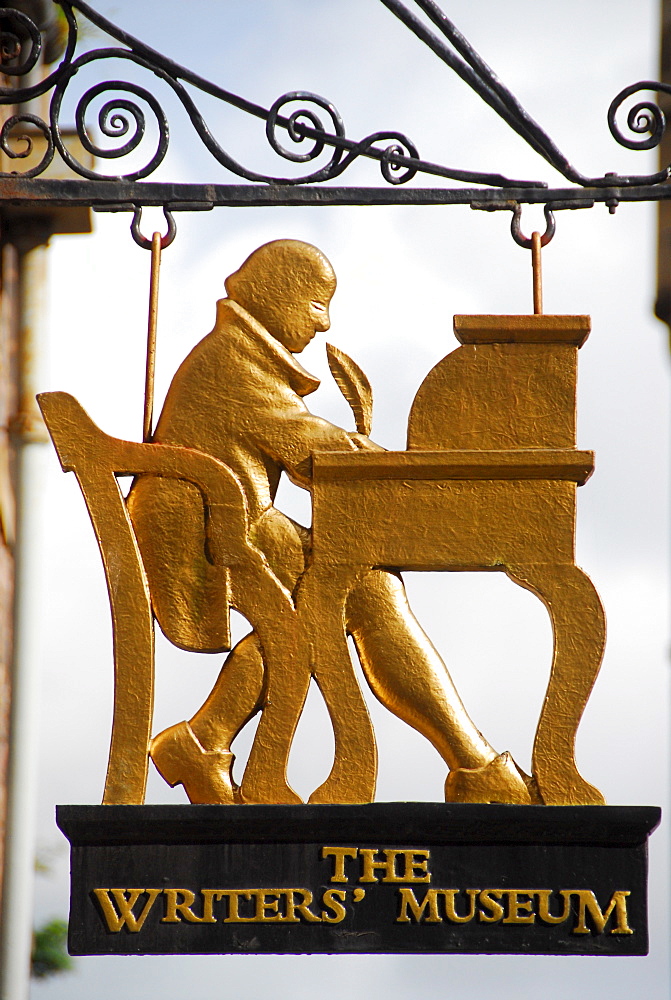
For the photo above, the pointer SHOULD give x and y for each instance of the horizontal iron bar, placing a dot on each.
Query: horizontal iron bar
(120, 195)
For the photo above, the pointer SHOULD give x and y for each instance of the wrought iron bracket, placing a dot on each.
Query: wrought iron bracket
(302, 128)
(125, 196)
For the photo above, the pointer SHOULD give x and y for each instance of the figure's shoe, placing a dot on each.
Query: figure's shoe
(499, 781)
(206, 774)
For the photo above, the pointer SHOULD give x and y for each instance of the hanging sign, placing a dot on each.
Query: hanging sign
(510, 862)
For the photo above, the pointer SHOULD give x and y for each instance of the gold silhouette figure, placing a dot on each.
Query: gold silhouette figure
(239, 397)
(487, 483)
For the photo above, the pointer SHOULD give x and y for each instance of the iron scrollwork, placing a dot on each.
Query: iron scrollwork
(300, 127)
(644, 117)
(315, 122)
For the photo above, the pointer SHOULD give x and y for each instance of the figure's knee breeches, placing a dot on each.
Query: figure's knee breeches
(189, 593)
(378, 597)
(284, 543)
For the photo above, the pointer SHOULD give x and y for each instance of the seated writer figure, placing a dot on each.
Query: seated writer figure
(238, 396)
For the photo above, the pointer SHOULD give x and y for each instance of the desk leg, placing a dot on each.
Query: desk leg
(579, 630)
(321, 607)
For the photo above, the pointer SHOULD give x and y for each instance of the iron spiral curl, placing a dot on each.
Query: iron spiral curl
(25, 26)
(12, 44)
(644, 117)
(391, 167)
(304, 124)
(117, 117)
(18, 154)
(114, 124)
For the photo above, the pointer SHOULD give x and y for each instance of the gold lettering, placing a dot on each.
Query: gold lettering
(263, 904)
(115, 921)
(488, 899)
(233, 906)
(210, 896)
(415, 861)
(515, 905)
(587, 901)
(409, 900)
(302, 907)
(450, 909)
(544, 906)
(370, 865)
(173, 908)
(289, 917)
(339, 854)
(335, 905)
(266, 905)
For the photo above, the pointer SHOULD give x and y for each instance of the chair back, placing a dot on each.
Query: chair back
(97, 460)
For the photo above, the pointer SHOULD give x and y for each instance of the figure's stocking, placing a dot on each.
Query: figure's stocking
(406, 673)
(235, 697)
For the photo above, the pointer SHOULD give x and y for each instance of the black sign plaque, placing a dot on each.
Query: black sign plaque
(388, 877)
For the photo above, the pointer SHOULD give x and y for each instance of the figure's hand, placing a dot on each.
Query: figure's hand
(364, 443)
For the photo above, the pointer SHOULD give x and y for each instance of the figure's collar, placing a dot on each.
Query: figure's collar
(301, 381)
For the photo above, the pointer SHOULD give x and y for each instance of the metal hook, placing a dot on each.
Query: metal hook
(520, 238)
(141, 240)
(534, 244)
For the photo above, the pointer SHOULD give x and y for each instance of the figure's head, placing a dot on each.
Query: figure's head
(286, 285)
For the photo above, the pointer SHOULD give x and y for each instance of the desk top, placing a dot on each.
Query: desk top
(569, 330)
(540, 463)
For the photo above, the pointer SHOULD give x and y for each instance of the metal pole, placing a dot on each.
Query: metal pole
(537, 268)
(151, 337)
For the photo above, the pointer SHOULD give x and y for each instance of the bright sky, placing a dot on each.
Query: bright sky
(402, 274)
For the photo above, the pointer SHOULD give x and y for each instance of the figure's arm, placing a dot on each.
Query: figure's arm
(363, 442)
(291, 439)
